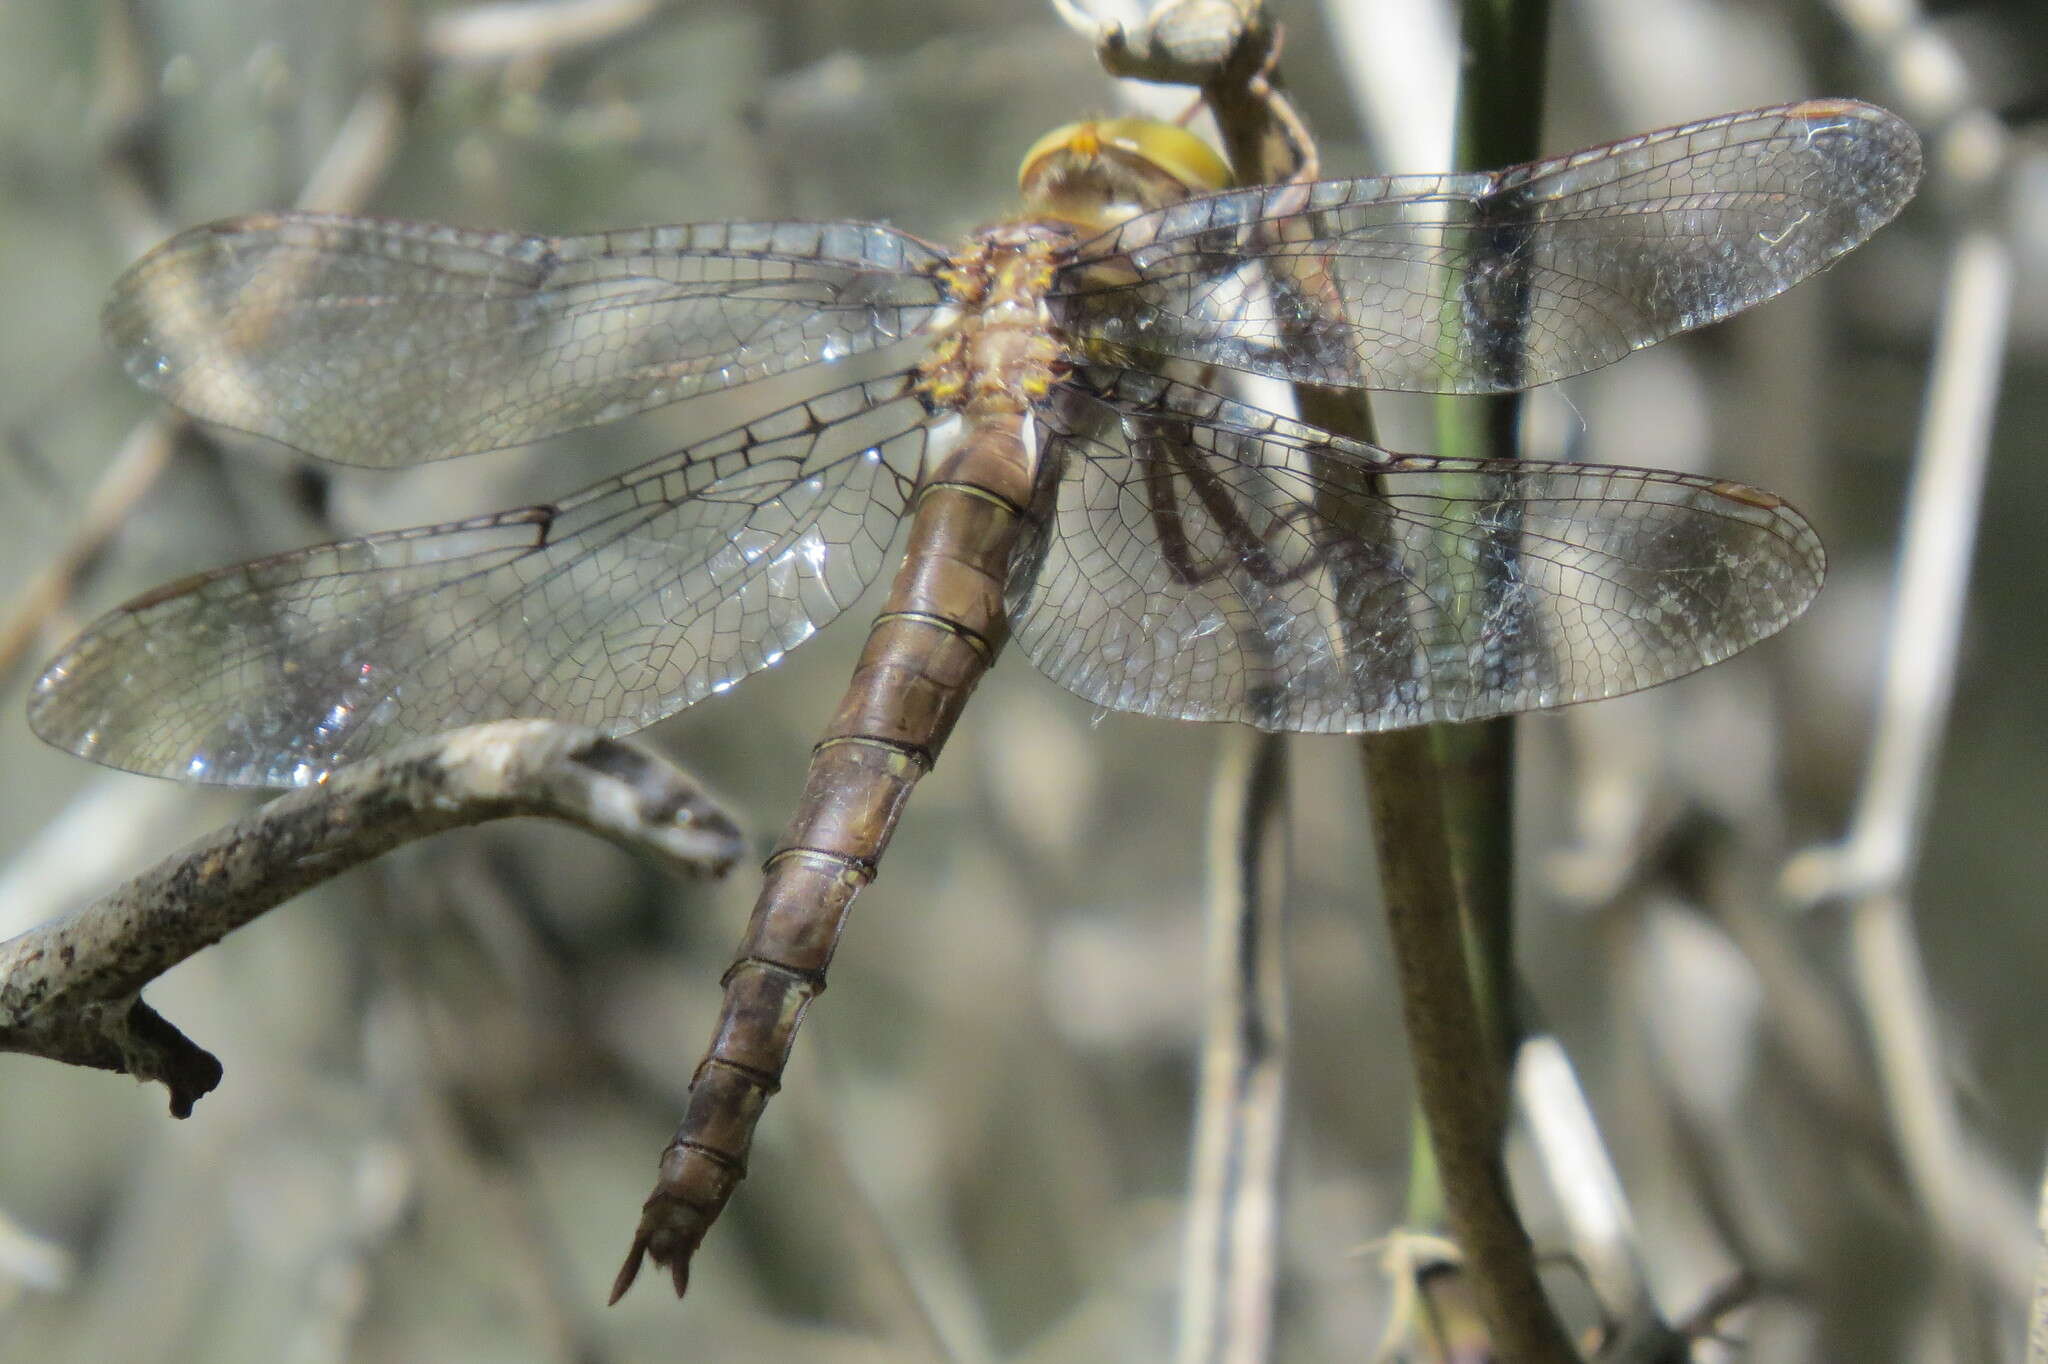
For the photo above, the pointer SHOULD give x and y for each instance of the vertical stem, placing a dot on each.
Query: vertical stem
(1230, 1261)
(2037, 1310)
(1500, 104)
(1457, 1076)
(1442, 806)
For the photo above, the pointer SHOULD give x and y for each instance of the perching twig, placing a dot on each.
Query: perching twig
(1442, 807)
(71, 990)
(1465, 1109)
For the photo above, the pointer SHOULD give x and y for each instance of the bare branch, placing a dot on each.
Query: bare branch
(1872, 866)
(1230, 1263)
(70, 990)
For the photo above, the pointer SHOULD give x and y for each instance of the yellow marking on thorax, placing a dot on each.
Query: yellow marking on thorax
(999, 352)
(996, 349)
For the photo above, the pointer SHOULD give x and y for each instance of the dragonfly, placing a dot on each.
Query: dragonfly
(1038, 404)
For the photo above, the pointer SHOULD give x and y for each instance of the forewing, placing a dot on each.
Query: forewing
(1205, 560)
(385, 343)
(1487, 282)
(616, 607)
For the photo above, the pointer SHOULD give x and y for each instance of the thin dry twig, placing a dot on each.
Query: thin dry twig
(920, 1314)
(2037, 1311)
(1601, 1228)
(1230, 1261)
(31, 1261)
(71, 990)
(120, 490)
(1872, 866)
(1978, 1223)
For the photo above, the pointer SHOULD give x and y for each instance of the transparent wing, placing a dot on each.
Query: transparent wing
(385, 343)
(616, 607)
(1487, 282)
(1206, 560)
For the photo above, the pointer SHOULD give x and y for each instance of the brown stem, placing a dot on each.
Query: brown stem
(1448, 1038)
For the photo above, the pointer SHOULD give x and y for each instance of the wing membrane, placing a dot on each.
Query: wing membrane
(1491, 281)
(1205, 560)
(384, 343)
(616, 607)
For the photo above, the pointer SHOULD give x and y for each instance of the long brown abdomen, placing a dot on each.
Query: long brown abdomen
(940, 630)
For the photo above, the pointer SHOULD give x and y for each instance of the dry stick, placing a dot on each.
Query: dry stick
(922, 1320)
(127, 120)
(1230, 1263)
(120, 490)
(2037, 1312)
(1977, 1218)
(70, 990)
(1594, 1207)
(1875, 861)
(443, 1110)
(516, 29)
(1934, 575)
(30, 1261)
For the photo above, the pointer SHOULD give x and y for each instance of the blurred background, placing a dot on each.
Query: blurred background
(449, 1074)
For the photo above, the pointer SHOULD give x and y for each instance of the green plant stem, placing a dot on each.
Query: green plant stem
(1442, 804)
(1465, 1111)
(1441, 798)
(1499, 114)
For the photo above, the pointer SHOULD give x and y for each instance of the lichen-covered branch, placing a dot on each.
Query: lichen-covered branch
(70, 990)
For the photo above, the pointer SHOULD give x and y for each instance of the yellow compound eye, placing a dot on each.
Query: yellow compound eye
(1165, 147)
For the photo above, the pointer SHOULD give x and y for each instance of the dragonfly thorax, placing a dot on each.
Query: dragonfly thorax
(995, 347)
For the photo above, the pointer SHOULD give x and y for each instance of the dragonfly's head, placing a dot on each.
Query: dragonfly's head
(1103, 171)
